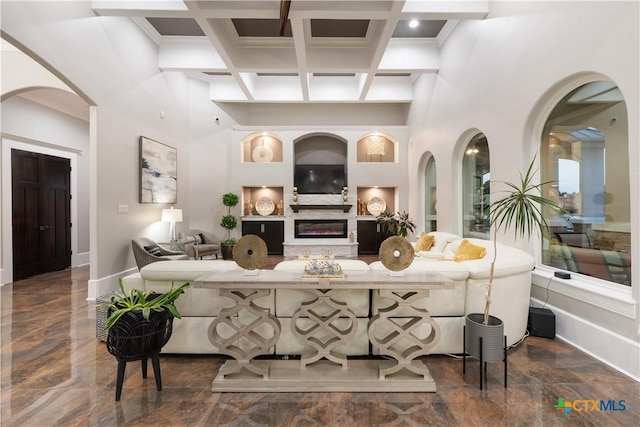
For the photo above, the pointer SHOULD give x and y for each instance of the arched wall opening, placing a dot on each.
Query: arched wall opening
(42, 114)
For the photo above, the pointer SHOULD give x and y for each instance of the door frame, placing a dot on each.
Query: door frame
(9, 142)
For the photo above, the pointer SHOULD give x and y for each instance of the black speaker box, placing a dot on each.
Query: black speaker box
(542, 322)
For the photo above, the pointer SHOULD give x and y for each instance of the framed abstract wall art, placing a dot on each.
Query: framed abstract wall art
(158, 172)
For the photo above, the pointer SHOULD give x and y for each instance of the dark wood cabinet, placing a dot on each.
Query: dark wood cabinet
(272, 232)
(370, 236)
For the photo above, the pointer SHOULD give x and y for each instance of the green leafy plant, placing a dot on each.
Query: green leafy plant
(229, 242)
(229, 222)
(143, 301)
(399, 224)
(230, 199)
(520, 209)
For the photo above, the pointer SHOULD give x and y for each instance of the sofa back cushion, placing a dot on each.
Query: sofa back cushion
(442, 240)
(510, 260)
(184, 271)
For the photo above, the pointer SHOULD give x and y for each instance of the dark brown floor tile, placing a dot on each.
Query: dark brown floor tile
(58, 374)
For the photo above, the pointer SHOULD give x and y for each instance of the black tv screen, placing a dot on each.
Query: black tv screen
(319, 179)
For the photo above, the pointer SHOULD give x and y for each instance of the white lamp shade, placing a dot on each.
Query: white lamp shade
(171, 215)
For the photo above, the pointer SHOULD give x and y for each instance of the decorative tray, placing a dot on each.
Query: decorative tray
(323, 276)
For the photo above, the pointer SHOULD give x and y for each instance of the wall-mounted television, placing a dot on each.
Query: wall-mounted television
(319, 179)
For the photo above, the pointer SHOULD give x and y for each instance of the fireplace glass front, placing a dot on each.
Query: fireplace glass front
(321, 228)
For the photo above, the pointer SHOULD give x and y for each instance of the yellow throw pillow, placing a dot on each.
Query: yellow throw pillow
(468, 251)
(424, 242)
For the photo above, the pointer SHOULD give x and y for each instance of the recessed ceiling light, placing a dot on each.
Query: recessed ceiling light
(413, 23)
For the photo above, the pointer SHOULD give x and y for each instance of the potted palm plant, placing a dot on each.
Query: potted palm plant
(520, 209)
(139, 324)
(229, 222)
(398, 224)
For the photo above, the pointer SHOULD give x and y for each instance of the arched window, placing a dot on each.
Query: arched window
(430, 199)
(585, 155)
(476, 176)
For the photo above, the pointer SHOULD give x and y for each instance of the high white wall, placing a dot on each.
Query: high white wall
(113, 65)
(502, 76)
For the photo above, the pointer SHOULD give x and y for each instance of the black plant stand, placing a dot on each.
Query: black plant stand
(134, 338)
(482, 367)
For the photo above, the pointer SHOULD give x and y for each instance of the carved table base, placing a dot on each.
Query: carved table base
(322, 324)
(362, 375)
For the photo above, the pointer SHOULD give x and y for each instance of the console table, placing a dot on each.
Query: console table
(391, 331)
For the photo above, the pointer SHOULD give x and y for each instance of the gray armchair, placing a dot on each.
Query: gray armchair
(198, 244)
(146, 251)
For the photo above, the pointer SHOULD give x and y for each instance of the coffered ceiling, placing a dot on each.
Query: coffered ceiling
(299, 51)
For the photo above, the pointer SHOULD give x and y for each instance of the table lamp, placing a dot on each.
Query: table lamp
(172, 216)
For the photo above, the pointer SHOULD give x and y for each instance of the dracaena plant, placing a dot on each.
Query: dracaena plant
(142, 301)
(521, 210)
(399, 224)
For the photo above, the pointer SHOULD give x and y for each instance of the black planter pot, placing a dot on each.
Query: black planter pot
(133, 337)
(227, 251)
(492, 335)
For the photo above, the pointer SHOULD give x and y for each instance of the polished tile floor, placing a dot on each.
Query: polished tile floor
(55, 373)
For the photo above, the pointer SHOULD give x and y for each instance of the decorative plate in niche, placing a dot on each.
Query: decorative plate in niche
(264, 206)
(262, 154)
(376, 206)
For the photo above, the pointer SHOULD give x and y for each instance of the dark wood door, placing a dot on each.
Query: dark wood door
(370, 237)
(367, 238)
(274, 237)
(41, 194)
(272, 232)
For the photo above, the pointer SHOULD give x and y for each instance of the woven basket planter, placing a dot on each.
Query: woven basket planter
(133, 337)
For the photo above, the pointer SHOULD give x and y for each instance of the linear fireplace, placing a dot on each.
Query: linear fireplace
(320, 228)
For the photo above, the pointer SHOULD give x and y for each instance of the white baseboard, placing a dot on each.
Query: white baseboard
(82, 259)
(106, 285)
(614, 350)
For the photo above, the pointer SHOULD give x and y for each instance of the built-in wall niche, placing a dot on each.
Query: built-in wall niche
(262, 201)
(320, 149)
(374, 200)
(375, 148)
(261, 148)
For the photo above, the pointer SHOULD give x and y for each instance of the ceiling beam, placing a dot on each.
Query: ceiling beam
(285, 5)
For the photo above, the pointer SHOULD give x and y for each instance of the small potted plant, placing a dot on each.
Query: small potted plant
(229, 222)
(139, 324)
(520, 209)
(399, 224)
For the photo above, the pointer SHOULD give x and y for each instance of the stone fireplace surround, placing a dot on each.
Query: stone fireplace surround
(319, 246)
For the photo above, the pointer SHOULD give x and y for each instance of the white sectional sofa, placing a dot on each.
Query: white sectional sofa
(510, 292)
(288, 301)
(198, 307)
(510, 296)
